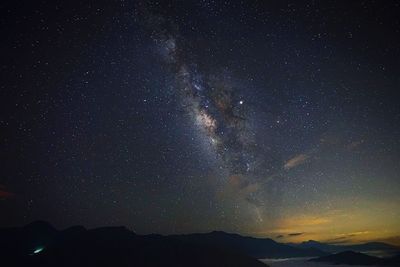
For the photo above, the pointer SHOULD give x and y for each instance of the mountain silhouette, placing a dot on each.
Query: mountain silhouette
(366, 247)
(39, 244)
(356, 258)
(255, 247)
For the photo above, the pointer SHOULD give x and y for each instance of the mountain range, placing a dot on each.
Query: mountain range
(370, 247)
(356, 258)
(40, 244)
(255, 247)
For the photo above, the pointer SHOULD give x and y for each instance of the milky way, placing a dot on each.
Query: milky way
(260, 117)
(217, 110)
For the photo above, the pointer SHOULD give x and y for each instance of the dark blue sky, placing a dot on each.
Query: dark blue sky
(242, 116)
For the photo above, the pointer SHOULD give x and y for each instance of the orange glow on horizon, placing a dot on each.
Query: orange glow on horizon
(346, 224)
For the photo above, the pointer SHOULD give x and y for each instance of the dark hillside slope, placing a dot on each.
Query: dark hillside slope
(39, 244)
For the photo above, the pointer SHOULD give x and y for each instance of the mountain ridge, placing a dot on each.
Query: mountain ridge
(256, 247)
(335, 248)
(41, 240)
(40, 244)
(357, 258)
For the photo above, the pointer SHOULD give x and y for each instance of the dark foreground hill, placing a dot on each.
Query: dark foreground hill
(255, 247)
(356, 258)
(39, 244)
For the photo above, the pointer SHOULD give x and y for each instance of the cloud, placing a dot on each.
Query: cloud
(295, 234)
(346, 237)
(340, 240)
(288, 235)
(241, 188)
(342, 237)
(296, 161)
(4, 193)
(240, 184)
(292, 225)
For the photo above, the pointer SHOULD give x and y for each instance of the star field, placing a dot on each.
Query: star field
(254, 117)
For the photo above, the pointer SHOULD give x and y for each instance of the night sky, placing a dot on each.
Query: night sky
(266, 118)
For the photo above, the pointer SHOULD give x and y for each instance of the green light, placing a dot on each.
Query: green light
(38, 250)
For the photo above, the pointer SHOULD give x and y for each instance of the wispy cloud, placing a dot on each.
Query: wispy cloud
(295, 234)
(239, 187)
(296, 226)
(346, 237)
(288, 235)
(296, 161)
(340, 240)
